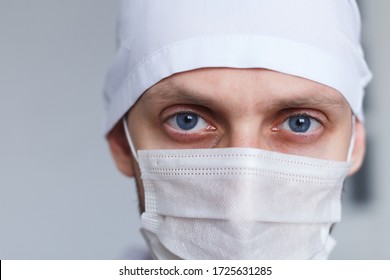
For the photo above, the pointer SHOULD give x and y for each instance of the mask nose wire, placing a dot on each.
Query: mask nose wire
(352, 142)
(132, 148)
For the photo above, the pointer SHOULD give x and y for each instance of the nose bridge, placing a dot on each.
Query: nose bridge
(246, 134)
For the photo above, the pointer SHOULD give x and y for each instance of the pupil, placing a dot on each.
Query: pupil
(300, 122)
(188, 119)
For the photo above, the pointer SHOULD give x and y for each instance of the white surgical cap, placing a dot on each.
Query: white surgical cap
(314, 39)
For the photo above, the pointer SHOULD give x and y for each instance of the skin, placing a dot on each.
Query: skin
(239, 108)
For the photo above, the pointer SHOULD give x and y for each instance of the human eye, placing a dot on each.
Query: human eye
(301, 124)
(189, 124)
(186, 122)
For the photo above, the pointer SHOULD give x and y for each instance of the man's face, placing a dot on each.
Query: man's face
(257, 108)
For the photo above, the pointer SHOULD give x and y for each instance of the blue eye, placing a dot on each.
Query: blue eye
(187, 121)
(300, 124)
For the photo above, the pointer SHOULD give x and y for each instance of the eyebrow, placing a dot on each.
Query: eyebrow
(310, 99)
(166, 92)
(316, 97)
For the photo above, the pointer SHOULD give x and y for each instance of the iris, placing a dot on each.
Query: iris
(186, 121)
(299, 124)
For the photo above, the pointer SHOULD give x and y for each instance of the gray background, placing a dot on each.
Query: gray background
(61, 196)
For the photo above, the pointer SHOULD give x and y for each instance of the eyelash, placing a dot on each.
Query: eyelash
(307, 115)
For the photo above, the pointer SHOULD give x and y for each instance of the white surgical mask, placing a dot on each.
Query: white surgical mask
(239, 203)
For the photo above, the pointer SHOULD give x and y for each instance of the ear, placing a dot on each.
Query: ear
(120, 149)
(359, 147)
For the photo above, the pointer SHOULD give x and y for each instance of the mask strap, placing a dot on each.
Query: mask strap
(132, 148)
(352, 142)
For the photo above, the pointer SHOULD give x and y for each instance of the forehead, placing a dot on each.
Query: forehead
(219, 86)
